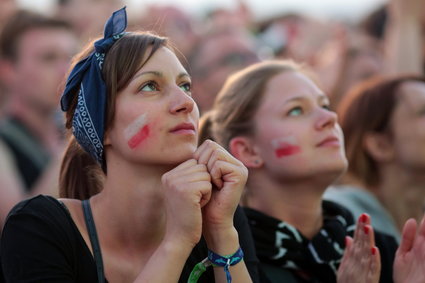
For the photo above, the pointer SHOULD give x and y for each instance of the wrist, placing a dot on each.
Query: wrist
(222, 241)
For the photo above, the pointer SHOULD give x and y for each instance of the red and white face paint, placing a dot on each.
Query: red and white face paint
(285, 146)
(137, 131)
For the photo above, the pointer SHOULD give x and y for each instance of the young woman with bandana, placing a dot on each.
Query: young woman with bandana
(163, 209)
(275, 119)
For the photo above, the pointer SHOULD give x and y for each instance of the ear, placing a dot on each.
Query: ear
(379, 146)
(243, 149)
(106, 140)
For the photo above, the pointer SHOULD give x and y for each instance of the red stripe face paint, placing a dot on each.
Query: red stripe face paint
(137, 132)
(287, 150)
(285, 147)
(139, 137)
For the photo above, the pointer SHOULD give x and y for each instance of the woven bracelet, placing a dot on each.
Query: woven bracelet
(226, 261)
(216, 260)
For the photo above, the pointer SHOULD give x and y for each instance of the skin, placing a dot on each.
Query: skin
(167, 180)
(290, 187)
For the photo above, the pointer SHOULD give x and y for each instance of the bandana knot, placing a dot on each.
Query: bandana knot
(87, 83)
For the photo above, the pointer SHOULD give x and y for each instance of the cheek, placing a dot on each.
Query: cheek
(138, 132)
(285, 146)
(139, 137)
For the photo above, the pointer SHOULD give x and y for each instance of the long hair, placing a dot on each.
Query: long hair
(368, 108)
(80, 175)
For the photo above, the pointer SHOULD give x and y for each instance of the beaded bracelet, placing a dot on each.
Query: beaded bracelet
(216, 260)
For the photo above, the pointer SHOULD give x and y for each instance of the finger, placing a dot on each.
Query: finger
(359, 227)
(408, 236)
(375, 266)
(370, 236)
(203, 153)
(188, 163)
(229, 173)
(205, 193)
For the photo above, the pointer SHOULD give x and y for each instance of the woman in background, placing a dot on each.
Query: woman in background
(275, 119)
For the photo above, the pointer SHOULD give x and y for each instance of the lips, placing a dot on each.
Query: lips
(329, 141)
(183, 128)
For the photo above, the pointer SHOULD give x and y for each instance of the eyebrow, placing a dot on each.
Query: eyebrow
(298, 98)
(159, 74)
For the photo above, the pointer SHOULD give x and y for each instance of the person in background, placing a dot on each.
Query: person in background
(35, 54)
(86, 16)
(214, 57)
(141, 202)
(383, 122)
(275, 119)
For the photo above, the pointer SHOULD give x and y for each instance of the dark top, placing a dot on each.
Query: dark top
(41, 243)
(28, 153)
(287, 256)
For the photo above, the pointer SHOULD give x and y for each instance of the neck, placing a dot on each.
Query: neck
(132, 197)
(298, 203)
(402, 192)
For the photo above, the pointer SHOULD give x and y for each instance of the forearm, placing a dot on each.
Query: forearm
(227, 243)
(404, 43)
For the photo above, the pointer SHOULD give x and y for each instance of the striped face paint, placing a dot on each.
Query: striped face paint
(137, 131)
(286, 146)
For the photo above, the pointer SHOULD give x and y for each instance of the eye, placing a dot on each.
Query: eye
(186, 87)
(326, 106)
(149, 86)
(296, 111)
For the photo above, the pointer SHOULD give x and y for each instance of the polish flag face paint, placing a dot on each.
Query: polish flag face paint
(285, 147)
(137, 131)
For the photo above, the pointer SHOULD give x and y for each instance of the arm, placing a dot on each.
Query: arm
(228, 175)
(404, 40)
(361, 261)
(187, 188)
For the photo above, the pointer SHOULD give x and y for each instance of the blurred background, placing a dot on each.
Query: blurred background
(341, 43)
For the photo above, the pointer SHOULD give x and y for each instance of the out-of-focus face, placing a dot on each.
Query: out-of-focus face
(43, 58)
(220, 57)
(408, 126)
(156, 119)
(296, 134)
(88, 16)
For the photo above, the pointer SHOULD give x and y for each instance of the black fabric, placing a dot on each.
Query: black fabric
(41, 243)
(29, 155)
(281, 245)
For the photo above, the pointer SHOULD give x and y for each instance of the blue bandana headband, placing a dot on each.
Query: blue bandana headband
(86, 79)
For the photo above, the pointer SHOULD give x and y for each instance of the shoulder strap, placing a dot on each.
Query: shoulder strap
(91, 228)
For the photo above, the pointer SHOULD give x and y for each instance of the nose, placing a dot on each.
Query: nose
(181, 102)
(326, 119)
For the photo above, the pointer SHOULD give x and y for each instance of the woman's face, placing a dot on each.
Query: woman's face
(408, 126)
(156, 119)
(296, 134)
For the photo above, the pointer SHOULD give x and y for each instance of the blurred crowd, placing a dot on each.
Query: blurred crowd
(342, 57)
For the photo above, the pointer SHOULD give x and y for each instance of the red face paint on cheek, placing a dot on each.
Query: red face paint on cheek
(139, 137)
(287, 150)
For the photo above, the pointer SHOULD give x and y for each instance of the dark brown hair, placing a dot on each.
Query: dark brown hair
(81, 176)
(20, 23)
(368, 108)
(239, 100)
